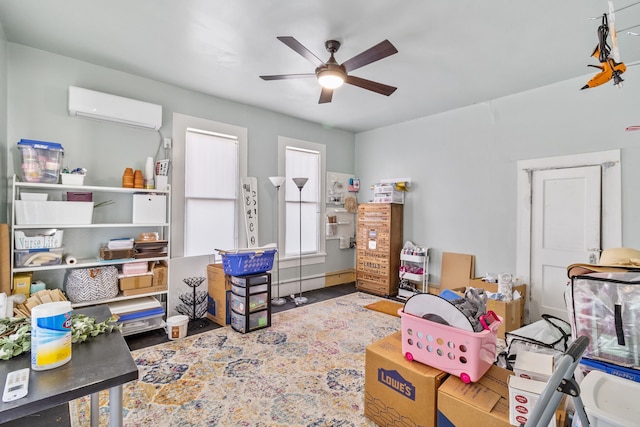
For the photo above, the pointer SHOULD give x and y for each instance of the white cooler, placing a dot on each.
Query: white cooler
(610, 401)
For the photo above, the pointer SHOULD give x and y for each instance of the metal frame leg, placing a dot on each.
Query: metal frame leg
(95, 409)
(115, 403)
(560, 383)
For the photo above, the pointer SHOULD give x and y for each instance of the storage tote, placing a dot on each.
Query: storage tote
(605, 307)
(41, 160)
(38, 239)
(551, 335)
(91, 284)
(467, 355)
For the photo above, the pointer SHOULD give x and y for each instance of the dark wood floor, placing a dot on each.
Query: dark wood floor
(59, 416)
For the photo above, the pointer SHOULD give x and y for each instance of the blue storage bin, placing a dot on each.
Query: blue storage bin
(243, 263)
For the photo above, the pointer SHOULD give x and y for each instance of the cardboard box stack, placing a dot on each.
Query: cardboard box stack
(155, 280)
(399, 392)
(135, 276)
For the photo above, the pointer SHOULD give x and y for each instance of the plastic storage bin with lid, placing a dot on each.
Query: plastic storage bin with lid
(41, 160)
(610, 401)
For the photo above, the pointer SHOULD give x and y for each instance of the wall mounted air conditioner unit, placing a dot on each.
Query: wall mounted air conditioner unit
(115, 109)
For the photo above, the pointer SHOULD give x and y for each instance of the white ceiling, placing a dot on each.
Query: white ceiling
(452, 53)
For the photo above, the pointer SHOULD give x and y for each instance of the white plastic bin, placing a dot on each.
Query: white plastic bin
(610, 401)
(149, 209)
(38, 239)
(53, 212)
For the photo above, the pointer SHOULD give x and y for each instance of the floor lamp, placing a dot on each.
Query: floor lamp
(300, 182)
(277, 181)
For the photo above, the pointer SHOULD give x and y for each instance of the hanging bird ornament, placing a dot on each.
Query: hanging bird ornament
(611, 68)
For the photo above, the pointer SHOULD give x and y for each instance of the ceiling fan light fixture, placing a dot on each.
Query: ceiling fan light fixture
(330, 79)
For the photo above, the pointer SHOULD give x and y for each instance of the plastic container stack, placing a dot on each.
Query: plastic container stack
(41, 161)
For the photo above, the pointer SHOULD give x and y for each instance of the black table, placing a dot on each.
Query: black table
(100, 363)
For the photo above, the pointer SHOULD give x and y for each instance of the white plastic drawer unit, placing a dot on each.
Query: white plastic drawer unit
(149, 209)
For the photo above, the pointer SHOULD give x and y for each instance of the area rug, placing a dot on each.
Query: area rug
(307, 369)
(385, 306)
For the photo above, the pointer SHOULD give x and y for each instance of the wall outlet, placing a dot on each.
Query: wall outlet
(167, 143)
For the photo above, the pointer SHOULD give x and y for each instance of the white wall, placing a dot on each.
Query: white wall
(463, 163)
(37, 84)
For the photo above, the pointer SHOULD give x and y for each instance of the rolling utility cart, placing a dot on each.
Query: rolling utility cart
(414, 268)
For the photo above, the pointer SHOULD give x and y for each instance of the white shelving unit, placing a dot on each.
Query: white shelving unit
(418, 281)
(112, 218)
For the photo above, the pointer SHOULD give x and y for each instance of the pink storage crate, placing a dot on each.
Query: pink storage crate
(467, 355)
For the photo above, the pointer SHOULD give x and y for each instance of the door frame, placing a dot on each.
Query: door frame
(611, 215)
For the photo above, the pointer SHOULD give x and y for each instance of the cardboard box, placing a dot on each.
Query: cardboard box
(523, 396)
(5, 259)
(159, 270)
(136, 282)
(512, 312)
(483, 403)
(399, 392)
(457, 269)
(152, 289)
(218, 306)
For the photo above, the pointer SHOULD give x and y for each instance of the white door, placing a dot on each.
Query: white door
(565, 229)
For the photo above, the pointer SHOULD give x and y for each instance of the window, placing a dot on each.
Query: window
(210, 191)
(303, 159)
(209, 159)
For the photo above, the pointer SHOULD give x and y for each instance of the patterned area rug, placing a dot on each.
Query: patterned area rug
(307, 369)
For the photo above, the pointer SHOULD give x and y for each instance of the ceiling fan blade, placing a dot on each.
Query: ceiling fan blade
(375, 53)
(298, 47)
(371, 85)
(326, 95)
(287, 76)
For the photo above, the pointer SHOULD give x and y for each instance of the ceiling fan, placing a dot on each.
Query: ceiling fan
(331, 75)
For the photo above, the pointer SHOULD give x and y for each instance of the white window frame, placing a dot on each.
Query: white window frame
(320, 256)
(181, 123)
